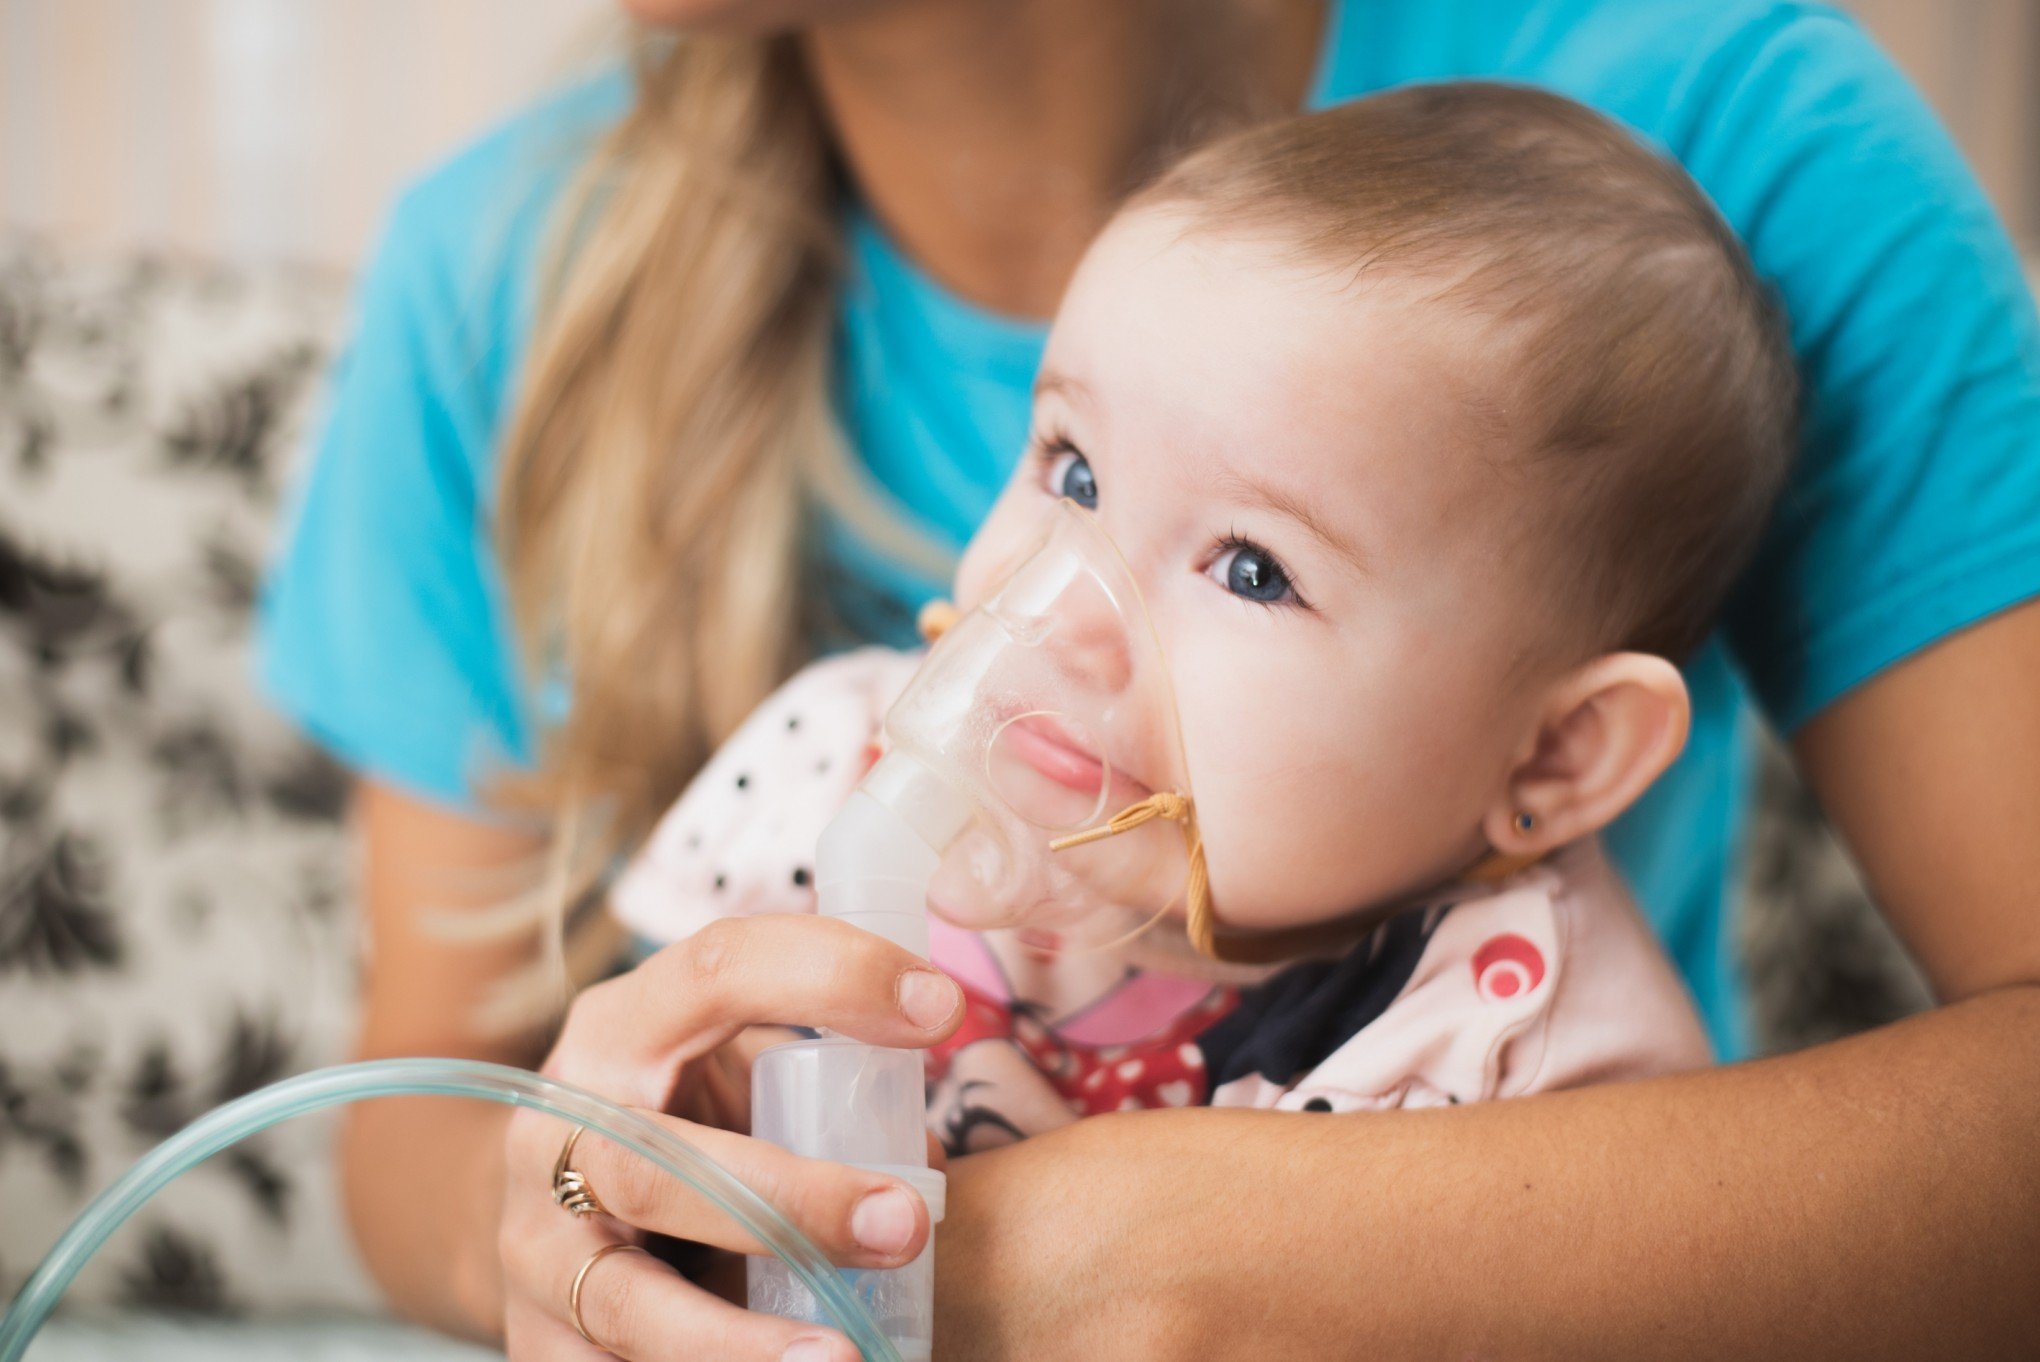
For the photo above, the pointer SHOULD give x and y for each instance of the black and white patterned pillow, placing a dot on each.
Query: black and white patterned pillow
(1821, 963)
(175, 920)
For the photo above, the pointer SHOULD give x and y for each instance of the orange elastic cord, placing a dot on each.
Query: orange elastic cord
(1165, 804)
(1497, 866)
(1161, 804)
(936, 619)
(1178, 809)
(1201, 926)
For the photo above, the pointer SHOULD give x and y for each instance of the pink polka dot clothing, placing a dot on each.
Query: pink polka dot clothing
(1545, 980)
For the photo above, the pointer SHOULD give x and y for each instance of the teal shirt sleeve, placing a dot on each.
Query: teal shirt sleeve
(1914, 510)
(383, 625)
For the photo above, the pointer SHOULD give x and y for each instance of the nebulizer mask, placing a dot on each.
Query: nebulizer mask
(1032, 776)
(1033, 773)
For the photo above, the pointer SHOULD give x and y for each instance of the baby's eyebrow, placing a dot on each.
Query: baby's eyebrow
(1246, 487)
(1061, 384)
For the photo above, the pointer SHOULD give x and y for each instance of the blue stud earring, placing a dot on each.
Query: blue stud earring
(1525, 822)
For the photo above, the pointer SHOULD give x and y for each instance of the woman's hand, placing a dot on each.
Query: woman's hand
(648, 1039)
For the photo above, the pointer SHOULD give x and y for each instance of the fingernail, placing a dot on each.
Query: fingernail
(928, 999)
(810, 1350)
(883, 1222)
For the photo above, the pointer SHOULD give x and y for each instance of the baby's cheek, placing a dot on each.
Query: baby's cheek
(1319, 795)
(1268, 769)
(1305, 844)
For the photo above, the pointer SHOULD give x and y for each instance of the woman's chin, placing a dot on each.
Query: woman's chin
(746, 17)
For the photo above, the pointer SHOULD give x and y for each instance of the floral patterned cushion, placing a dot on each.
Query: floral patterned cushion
(175, 927)
(176, 923)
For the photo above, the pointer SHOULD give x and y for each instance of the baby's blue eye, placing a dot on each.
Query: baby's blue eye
(1252, 572)
(1070, 476)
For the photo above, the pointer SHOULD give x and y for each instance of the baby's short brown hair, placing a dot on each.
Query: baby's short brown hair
(1645, 369)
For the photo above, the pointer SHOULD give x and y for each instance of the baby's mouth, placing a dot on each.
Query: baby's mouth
(1048, 748)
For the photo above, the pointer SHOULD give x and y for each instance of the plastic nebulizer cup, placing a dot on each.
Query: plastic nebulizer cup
(839, 1099)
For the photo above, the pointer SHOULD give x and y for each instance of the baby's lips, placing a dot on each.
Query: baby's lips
(1045, 745)
(1126, 785)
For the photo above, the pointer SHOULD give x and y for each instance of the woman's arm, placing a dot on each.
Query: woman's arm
(423, 1176)
(1877, 1197)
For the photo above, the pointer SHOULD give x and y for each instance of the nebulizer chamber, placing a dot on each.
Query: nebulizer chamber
(1035, 717)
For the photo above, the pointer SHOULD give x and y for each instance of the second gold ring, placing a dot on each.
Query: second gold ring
(569, 1188)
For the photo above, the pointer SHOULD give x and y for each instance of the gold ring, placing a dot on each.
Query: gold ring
(569, 1188)
(574, 1295)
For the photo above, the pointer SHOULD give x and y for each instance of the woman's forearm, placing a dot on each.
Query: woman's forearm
(424, 1183)
(423, 1178)
(1878, 1197)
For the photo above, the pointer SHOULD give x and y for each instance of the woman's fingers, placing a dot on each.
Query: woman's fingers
(630, 1039)
(857, 1217)
(632, 1306)
(630, 1034)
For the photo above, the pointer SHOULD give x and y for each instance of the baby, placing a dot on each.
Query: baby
(1434, 429)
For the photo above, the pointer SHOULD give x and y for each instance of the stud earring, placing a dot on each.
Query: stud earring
(1525, 822)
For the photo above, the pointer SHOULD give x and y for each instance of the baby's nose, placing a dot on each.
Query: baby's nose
(1090, 643)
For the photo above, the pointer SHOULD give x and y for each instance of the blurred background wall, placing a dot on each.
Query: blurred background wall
(257, 130)
(1979, 62)
(277, 129)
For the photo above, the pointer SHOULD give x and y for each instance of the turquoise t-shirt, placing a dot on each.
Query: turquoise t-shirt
(1914, 510)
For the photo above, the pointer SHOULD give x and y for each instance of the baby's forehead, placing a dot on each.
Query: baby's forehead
(1231, 347)
(1165, 247)
(1257, 303)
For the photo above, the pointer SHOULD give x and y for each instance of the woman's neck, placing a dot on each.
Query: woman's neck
(994, 137)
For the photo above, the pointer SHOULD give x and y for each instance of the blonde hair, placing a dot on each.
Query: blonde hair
(675, 401)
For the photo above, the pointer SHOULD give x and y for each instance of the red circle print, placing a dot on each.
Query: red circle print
(1506, 966)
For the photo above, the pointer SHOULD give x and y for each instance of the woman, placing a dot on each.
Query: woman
(810, 216)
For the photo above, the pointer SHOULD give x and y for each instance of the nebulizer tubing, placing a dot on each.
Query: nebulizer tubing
(228, 1125)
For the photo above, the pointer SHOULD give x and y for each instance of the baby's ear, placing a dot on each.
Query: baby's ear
(1603, 734)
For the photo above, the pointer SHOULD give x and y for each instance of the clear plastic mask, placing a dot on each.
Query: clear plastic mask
(1048, 710)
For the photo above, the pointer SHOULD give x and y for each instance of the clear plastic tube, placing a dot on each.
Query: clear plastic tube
(322, 1088)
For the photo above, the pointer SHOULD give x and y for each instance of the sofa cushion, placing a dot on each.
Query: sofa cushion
(175, 927)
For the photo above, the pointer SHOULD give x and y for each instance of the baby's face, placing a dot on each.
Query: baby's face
(1300, 484)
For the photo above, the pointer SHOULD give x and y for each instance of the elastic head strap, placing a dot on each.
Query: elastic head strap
(1201, 925)
(937, 618)
(1497, 866)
